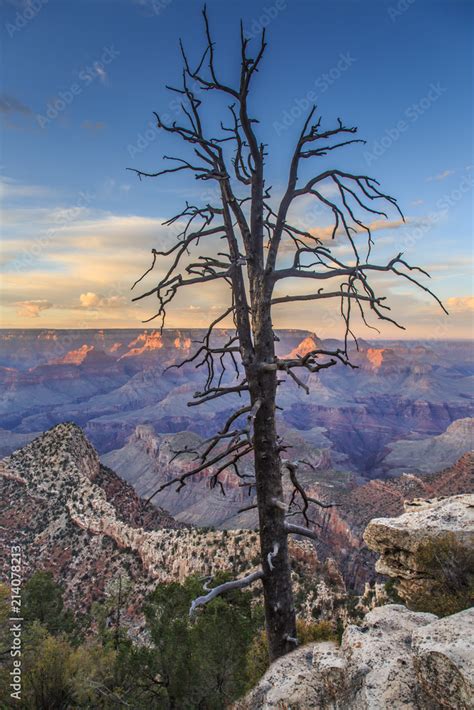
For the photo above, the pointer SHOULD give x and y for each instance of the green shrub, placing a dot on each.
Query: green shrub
(307, 632)
(451, 565)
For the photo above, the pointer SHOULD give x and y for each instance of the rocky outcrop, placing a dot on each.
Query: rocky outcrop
(444, 660)
(398, 540)
(343, 526)
(62, 469)
(291, 682)
(396, 660)
(52, 491)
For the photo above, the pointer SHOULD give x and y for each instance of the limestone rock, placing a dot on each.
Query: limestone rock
(379, 663)
(444, 660)
(398, 540)
(372, 670)
(396, 660)
(310, 677)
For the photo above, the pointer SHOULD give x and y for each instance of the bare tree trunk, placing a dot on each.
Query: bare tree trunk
(278, 595)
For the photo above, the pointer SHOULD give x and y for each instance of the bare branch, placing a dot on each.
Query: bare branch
(300, 530)
(226, 587)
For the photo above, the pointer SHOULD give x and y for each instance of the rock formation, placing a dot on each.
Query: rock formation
(398, 540)
(75, 517)
(396, 660)
(429, 454)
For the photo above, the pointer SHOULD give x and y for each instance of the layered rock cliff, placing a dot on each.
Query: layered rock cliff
(75, 517)
(399, 541)
(428, 454)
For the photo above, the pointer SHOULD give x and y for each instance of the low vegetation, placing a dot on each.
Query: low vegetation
(257, 657)
(451, 564)
(72, 662)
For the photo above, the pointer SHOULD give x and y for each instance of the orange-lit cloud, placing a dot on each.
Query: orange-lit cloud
(81, 276)
(32, 309)
(460, 304)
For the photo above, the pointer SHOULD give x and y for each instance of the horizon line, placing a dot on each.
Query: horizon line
(204, 328)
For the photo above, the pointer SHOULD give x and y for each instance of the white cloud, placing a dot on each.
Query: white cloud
(95, 301)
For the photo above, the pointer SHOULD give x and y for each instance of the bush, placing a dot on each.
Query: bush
(42, 601)
(391, 592)
(307, 632)
(204, 658)
(451, 565)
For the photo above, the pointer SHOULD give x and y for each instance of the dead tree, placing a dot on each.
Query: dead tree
(254, 262)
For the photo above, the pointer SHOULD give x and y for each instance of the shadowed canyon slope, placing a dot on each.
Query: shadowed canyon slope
(148, 461)
(73, 516)
(76, 518)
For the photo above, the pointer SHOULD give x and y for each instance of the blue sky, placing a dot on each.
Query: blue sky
(82, 78)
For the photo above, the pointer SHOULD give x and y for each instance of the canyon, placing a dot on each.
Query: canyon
(396, 428)
(371, 421)
(77, 519)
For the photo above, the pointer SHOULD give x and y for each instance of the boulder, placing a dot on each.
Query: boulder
(444, 660)
(310, 677)
(397, 659)
(380, 666)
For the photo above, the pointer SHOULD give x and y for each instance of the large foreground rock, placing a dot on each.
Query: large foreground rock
(291, 682)
(444, 659)
(396, 660)
(398, 540)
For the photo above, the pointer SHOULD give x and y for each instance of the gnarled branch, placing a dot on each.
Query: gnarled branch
(226, 587)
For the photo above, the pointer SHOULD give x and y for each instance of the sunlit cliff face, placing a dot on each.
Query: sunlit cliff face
(150, 341)
(375, 357)
(306, 346)
(145, 342)
(182, 343)
(76, 357)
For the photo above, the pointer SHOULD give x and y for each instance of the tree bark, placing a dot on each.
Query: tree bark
(278, 596)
